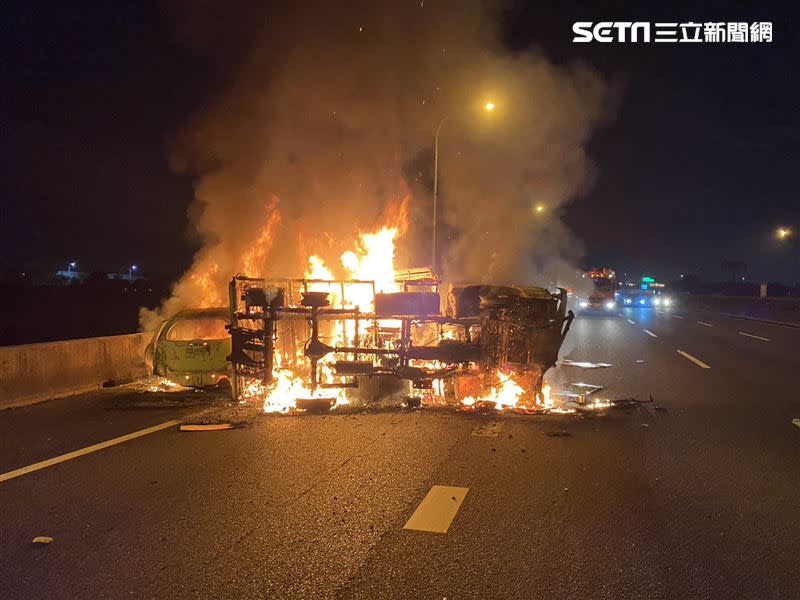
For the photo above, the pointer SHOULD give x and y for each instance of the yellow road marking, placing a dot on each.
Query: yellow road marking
(696, 361)
(437, 510)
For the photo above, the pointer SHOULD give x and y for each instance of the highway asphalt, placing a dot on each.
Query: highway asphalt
(693, 496)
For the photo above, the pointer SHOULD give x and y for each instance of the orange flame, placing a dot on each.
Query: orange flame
(254, 258)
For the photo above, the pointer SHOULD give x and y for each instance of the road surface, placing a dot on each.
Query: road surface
(699, 500)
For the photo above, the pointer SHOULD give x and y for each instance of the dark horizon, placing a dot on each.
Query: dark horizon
(695, 168)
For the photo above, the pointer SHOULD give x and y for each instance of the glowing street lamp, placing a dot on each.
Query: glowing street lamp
(488, 107)
(72, 266)
(132, 270)
(783, 233)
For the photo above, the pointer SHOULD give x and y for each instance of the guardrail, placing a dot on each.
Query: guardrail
(35, 372)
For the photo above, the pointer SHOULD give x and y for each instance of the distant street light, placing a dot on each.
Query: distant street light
(783, 233)
(72, 266)
(539, 208)
(488, 107)
(132, 270)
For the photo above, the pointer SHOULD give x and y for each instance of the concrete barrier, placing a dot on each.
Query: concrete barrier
(36, 372)
(784, 310)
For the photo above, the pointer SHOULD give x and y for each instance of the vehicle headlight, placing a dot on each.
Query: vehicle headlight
(583, 304)
(609, 305)
(656, 301)
(667, 301)
(641, 301)
(627, 300)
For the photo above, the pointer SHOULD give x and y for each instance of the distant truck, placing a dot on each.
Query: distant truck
(601, 298)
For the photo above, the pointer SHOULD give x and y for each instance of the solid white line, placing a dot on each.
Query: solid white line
(758, 337)
(88, 450)
(696, 361)
(703, 323)
(650, 333)
(437, 510)
(631, 322)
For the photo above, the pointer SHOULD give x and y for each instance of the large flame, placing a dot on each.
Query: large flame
(370, 259)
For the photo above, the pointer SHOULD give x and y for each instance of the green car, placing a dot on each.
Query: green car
(191, 348)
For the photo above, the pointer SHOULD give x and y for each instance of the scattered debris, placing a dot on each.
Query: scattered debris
(487, 430)
(629, 402)
(412, 401)
(583, 364)
(573, 391)
(561, 433)
(43, 539)
(321, 404)
(206, 426)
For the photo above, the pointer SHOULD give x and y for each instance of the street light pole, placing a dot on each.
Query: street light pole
(436, 191)
(489, 107)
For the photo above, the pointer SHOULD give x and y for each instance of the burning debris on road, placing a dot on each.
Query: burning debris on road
(316, 343)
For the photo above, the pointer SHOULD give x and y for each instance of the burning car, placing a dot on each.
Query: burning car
(191, 348)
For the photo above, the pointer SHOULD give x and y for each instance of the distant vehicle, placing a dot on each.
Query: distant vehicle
(191, 348)
(601, 298)
(639, 298)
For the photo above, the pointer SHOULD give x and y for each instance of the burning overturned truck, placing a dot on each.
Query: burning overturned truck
(317, 343)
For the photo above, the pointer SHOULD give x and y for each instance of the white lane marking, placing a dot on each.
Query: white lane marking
(621, 315)
(661, 313)
(631, 322)
(758, 337)
(650, 333)
(677, 316)
(88, 450)
(704, 323)
(487, 429)
(696, 361)
(437, 510)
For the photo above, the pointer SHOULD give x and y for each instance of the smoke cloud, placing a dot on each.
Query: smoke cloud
(326, 111)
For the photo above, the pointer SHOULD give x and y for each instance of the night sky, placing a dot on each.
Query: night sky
(697, 166)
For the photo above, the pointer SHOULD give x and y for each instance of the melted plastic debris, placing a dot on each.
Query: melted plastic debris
(564, 362)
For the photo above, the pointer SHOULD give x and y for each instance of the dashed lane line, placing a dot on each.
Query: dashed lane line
(631, 322)
(757, 337)
(704, 324)
(696, 361)
(83, 451)
(650, 333)
(437, 510)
